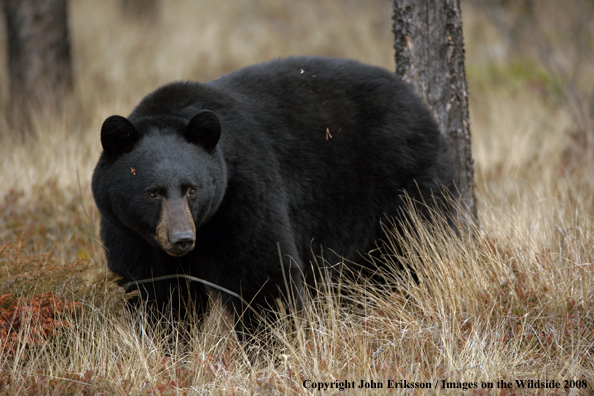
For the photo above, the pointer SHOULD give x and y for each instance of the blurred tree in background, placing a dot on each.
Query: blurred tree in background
(39, 59)
(429, 54)
(141, 10)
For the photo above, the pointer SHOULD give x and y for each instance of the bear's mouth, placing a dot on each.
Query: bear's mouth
(175, 252)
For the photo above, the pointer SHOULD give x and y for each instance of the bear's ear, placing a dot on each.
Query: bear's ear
(204, 129)
(118, 135)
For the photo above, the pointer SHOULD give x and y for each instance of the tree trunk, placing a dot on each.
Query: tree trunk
(429, 54)
(140, 10)
(38, 53)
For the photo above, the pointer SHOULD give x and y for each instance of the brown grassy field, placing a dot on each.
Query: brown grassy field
(513, 301)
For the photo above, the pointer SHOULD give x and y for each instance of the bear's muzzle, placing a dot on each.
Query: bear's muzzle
(176, 231)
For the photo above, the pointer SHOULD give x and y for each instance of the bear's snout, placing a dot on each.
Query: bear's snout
(176, 231)
(183, 241)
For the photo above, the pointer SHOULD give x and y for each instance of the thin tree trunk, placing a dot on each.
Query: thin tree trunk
(39, 60)
(429, 54)
(140, 10)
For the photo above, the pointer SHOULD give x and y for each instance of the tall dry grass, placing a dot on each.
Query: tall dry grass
(512, 300)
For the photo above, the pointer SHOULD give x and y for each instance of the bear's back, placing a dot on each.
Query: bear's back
(347, 140)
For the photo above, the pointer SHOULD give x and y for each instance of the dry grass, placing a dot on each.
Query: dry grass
(514, 300)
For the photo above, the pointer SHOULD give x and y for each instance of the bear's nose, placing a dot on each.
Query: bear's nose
(183, 240)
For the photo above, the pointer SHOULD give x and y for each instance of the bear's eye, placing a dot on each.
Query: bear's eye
(153, 195)
(191, 192)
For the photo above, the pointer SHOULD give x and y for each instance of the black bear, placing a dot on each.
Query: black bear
(238, 180)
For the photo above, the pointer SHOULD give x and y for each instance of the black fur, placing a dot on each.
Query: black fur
(313, 152)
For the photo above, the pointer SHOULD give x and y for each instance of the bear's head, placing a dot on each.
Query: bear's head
(161, 177)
